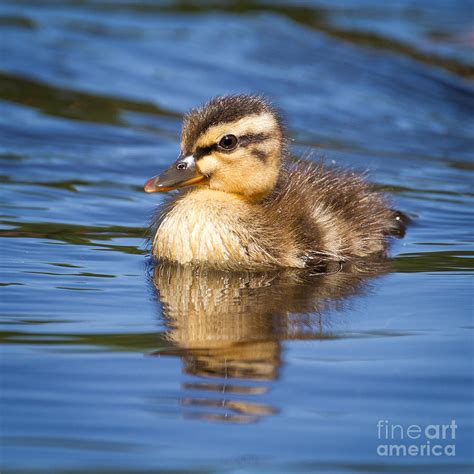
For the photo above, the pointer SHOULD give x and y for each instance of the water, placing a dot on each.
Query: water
(108, 365)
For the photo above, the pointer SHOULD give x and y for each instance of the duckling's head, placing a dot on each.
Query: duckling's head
(232, 144)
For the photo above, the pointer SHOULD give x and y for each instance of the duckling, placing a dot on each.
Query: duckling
(246, 204)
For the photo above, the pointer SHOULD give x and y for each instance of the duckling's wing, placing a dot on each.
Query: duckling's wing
(334, 214)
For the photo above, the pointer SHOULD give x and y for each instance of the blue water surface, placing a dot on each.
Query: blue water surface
(111, 365)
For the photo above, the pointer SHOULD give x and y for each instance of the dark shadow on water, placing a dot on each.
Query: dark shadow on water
(75, 234)
(317, 17)
(450, 260)
(228, 328)
(72, 104)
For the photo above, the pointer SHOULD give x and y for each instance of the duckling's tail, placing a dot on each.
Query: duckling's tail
(400, 223)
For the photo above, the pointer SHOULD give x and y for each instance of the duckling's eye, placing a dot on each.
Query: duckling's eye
(181, 166)
(228, 142)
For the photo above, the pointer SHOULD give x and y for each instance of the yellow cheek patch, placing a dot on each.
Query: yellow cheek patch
(207, 164)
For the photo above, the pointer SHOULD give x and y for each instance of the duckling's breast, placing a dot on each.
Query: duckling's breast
(203, 226)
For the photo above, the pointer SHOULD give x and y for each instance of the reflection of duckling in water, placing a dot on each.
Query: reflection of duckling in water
(229, 325)
(254, 208)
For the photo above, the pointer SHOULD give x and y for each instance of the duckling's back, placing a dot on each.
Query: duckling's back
(331, 214)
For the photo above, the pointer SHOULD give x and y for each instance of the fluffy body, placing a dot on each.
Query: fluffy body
(313, 215)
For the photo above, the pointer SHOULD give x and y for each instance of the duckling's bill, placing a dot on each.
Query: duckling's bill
(181, 173)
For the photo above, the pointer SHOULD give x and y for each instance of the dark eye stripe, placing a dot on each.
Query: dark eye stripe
(252, 138)
(203, 151)
(244, 141)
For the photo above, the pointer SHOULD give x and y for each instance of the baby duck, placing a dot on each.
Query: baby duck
(248, 205)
